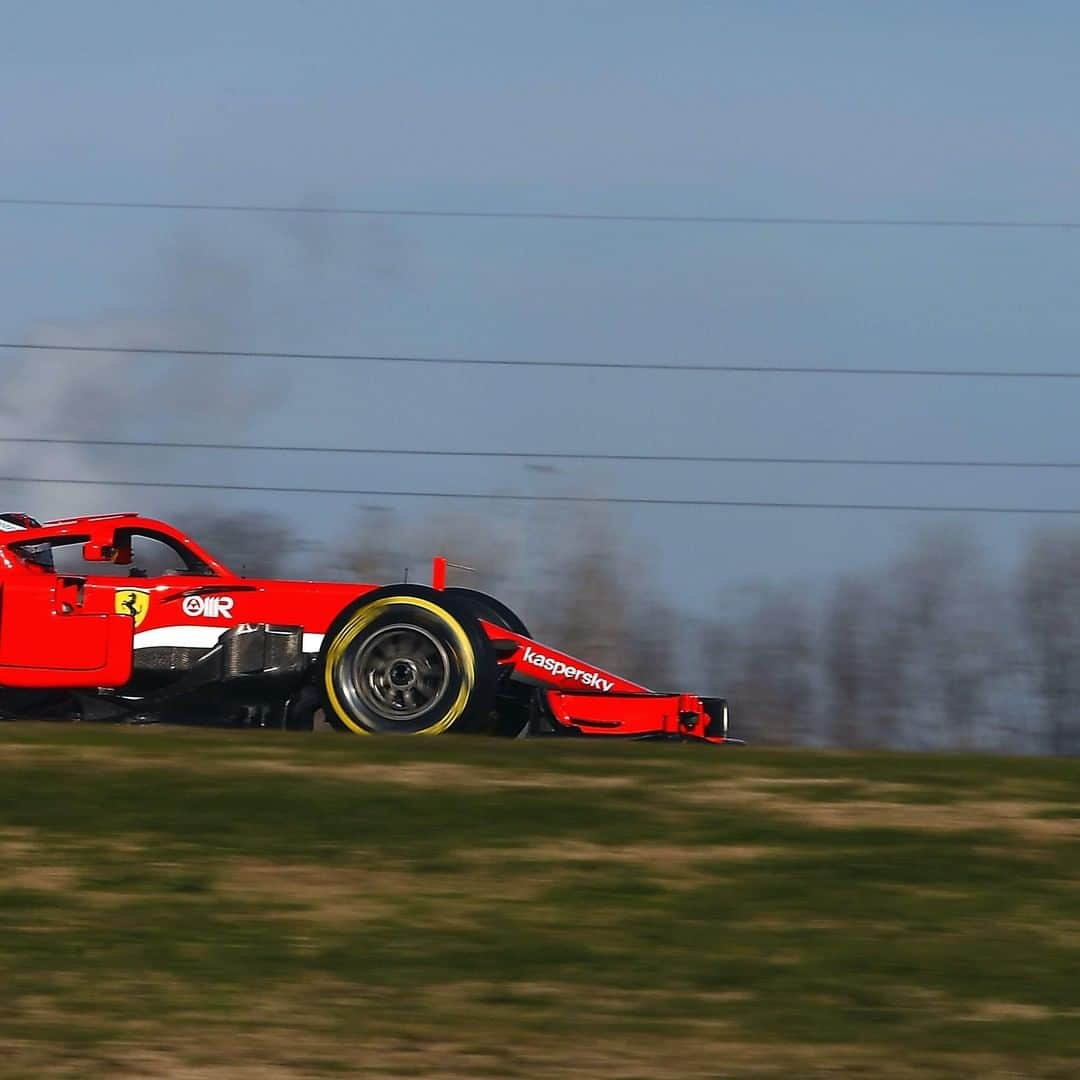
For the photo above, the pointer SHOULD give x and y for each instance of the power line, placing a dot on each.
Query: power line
(786, 220)
(525, 455)
(511, 497)
(614, 365)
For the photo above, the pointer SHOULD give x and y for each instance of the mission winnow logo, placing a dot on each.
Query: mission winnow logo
(591, 679)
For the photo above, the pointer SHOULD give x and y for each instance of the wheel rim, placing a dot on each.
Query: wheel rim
(398, 673)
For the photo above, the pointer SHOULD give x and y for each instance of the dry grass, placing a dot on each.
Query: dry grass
(706, 1056)
(193, 908)
(881, 805)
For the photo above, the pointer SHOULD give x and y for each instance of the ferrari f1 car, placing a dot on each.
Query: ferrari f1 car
(189, 638)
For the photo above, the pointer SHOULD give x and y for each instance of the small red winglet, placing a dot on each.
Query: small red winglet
(438, 573)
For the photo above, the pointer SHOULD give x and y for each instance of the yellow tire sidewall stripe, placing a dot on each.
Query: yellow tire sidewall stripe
(363, 618)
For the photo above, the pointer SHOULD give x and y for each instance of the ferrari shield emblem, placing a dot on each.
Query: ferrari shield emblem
(133, 602)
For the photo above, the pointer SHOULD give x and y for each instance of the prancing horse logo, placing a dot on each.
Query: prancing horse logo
(133, 602)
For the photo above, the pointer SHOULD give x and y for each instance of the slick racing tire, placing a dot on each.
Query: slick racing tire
(517, 706)
(488, 608)
(407, 660)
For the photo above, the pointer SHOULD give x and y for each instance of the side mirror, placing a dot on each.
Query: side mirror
(94, 551)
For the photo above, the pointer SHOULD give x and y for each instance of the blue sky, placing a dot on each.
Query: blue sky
(848, 109)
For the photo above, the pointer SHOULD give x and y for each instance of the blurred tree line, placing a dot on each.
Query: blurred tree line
(932, 649)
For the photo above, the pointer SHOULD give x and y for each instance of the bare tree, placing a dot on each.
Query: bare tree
(1050, 599)
(846, 657)
(913, 650)
(480, 545)
(770, 665)
(587, 606)
(656, 646)
(946, 610)
(371, 552)
(382, 547)
(256, 544)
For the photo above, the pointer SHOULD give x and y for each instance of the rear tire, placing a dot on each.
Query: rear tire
(407, 660)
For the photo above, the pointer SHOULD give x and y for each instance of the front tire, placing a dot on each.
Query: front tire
(515, 703)
(487, 607)
(407, 660)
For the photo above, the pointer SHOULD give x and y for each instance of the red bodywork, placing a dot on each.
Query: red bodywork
(82, 631)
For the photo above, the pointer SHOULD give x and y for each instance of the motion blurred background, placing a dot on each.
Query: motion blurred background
(753, 185)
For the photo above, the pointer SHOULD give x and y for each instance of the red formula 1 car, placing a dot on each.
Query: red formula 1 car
(186, 638)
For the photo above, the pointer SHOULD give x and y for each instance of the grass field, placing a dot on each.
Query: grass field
(209, 904)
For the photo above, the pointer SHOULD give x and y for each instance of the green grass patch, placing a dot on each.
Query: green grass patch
(330, 906)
